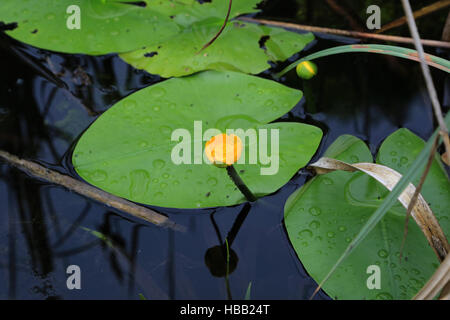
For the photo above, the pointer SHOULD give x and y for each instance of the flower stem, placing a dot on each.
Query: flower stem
(240, 184)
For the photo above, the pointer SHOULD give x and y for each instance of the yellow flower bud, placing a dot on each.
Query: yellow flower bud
(306, 69)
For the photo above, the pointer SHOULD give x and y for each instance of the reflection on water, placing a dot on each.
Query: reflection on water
(47, 100)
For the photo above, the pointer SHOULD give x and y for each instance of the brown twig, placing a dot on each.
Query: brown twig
(347, 33)
(210, 42)
(344, 12)
(417, 14)
(416, 194)
(84, 189)
(446, 30)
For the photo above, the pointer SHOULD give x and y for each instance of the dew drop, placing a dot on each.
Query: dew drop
(314, 224)
(158, 164)
(384, 296)
(415, 283)
(165, 130)
(305, 233)
(163, 185)
(158, 92)
(382, 253)
(315, 211)
(212, 181)
(415, 271)
(268, 103)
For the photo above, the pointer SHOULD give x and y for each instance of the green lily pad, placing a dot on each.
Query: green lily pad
(239, 48)
(127, 150)
(187, 12)
(324, 215)
(106, 25)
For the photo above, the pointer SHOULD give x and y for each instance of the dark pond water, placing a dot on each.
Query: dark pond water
(47, 100)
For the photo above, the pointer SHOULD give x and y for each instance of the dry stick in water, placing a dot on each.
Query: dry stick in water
(439, 280)
(427, 75)
(413, 201)
(347, 33)
(41, 172)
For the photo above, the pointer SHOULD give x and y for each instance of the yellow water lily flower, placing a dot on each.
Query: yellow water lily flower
(223, 149)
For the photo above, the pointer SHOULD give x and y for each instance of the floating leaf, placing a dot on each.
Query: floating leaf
(323, 217)
(106, 26)
(127, 151)
(187, 12)
(240, 47)
(171, 33)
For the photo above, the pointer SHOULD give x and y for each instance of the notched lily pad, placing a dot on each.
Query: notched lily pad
(127, 150)
(241, 47)
(324, 215)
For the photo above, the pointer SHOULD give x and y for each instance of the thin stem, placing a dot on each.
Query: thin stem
(347, 33)
(240, 184)
(210, 42)
(227, 282)
(427, 75)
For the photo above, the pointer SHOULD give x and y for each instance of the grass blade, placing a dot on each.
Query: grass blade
(396, 51)
(248, 292)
